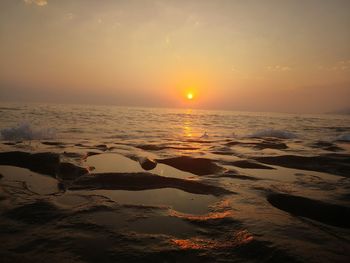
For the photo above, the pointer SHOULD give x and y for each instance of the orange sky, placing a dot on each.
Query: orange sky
(290, 56)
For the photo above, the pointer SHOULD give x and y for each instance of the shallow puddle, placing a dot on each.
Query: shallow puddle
(35, 182)
(173, 198)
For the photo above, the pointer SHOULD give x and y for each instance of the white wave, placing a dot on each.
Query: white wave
(24, 131)
(344, 137)
(273, 133)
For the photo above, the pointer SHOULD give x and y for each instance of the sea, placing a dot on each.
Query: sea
(172, 185)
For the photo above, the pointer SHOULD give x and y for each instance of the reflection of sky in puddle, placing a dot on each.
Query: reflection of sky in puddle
(177, 199)
(106, 163)
(35, 182)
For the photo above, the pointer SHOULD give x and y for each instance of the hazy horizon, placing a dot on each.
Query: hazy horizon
(271, 56)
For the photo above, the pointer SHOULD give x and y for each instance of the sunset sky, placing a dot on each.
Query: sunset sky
(273, 55)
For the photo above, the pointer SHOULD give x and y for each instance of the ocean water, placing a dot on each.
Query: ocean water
(232, 186)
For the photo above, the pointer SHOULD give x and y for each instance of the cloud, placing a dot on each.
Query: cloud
(343, 65)
(37, 2)
(278, 68)
(69, 16)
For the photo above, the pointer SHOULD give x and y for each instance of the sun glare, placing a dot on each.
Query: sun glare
(189, 96)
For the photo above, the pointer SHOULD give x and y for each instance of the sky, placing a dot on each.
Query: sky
(247, 55)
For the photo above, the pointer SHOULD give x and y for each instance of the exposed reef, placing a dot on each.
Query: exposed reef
(143, 181)
(330, 214)
(338, 164)
(198, 166)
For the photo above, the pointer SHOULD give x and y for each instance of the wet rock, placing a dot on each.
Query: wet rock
(260, 145)
(249, 165)
(102, 147)
(147, 164)
(330, 214)
(143, 181)
(40, 212)
(68, 171)
(198, 166)
(328, 146)
(53, 143)
(9, 143)
(73, 155)
(232, 143)
(271, 145)
(153, 147)
(199, 141)
(338, 164)
(45, 163)
(235, 175)
(1, 176)
(91, 153)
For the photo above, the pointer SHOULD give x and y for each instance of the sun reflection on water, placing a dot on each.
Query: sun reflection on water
(239, 238)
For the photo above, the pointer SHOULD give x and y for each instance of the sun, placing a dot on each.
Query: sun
(189, 96)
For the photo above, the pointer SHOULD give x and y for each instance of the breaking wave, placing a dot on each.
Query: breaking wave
(273, 133)
(24, 131)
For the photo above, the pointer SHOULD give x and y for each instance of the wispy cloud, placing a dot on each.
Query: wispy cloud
(37, 2)
(69, 16)
(278, 68)
(343, 65)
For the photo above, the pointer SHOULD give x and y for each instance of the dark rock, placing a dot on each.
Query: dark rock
(40, 212)
(53, 143)
(147, 164)
(199, 141)
(198, 166)
(91, 153)
(271, 145)
(73, 155)
(68, 171)
(102, 147)
(150, 147)
(235, 175)
(330, 214)
(45, 163)
(249, 165)
(338, 164)
(9, 143)
(154, 147)
(232, 143)
(143, 181)
(328, 146)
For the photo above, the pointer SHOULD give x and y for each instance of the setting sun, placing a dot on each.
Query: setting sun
(189, 96)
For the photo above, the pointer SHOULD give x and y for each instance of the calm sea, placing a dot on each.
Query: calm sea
(228, 186)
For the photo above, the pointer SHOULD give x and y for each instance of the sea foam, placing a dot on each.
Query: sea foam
(281, 134)
(24, 131)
